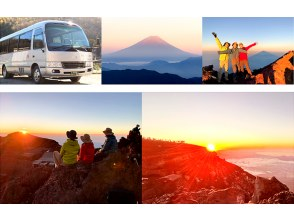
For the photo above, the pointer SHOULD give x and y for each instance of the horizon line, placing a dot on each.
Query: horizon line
(222, 148)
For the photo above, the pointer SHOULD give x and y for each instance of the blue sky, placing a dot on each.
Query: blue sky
(272, 34)
(58, 112)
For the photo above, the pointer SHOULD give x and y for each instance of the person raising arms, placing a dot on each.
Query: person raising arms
(243, 59)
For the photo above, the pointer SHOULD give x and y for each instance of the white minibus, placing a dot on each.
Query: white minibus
(48, 49)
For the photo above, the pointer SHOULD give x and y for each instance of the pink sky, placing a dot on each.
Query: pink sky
(119, 33)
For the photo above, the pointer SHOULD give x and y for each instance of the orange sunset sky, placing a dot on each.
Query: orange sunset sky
(56, 113)
(226, 120)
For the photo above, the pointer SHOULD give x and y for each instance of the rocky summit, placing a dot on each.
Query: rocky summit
(278, 72)
(176, 172)
(115, 179)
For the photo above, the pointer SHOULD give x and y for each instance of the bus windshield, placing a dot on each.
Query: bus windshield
(66, 37)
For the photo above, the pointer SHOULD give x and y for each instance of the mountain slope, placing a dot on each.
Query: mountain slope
(144, 77)
(148, 49)
(188, 68)
(261, 59)
(277, 72)
(18, 151)
(175, 172)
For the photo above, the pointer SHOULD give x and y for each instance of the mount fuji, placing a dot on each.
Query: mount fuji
(147, 50)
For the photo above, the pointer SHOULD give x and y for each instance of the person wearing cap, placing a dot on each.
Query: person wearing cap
(244, 59)
(69, 150)
(223, 58)
(86, 155)
(110, 145)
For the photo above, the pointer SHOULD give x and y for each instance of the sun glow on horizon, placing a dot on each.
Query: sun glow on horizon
(24, 131)
(211, 147)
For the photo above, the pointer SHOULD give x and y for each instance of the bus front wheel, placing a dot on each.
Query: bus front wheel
(37, 77)
(5, 73)
(75, 79)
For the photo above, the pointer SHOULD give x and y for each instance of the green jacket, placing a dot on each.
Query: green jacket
(222, 48)
(69, 151)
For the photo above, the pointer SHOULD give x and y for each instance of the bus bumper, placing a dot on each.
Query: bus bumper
(65, 73)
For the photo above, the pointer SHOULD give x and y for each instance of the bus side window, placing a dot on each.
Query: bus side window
(4, 47)
(13, 44)
(25, 41)
(38, 39)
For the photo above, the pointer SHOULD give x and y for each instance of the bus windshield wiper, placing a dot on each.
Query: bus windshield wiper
(61, 46)
(71, 48)
(83, 48)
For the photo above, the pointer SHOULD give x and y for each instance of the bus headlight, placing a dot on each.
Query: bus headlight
(54, 64)
(89, 64)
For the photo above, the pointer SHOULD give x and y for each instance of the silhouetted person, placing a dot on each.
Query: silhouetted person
(135, 140)
(137, 129)
(68, 152)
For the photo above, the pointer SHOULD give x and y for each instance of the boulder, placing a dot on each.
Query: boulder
(266, 188)
(115, 179)
(284, 197)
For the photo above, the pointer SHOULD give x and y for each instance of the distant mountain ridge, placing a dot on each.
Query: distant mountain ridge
(17, 142)
(261, 59)
(256, 61)
(144, 76)
(187, 68)
(149, 49)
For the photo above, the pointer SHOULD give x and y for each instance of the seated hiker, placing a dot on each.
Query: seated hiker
(68, 152)
(109, 146)
(86, 155)
(137, 129)
(134, 133)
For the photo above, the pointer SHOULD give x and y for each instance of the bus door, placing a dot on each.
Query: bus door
(38, 52)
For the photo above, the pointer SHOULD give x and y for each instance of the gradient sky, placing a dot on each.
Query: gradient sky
(272, 34)
(56, 113)
(119, 33)
(226, 120)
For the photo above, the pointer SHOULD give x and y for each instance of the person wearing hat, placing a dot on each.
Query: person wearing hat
(244, 59)
(87, 151)
(223, 58)
(110, 145)
(69, 150)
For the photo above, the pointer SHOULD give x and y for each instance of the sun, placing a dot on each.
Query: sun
(210, 147)
(24, 131)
